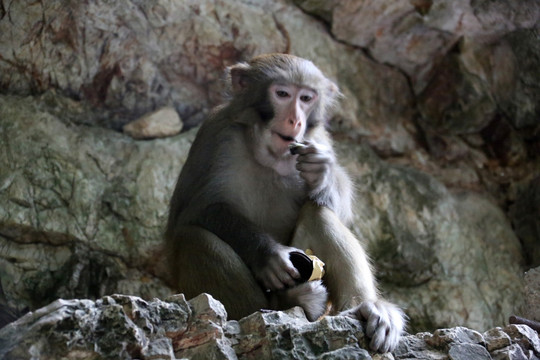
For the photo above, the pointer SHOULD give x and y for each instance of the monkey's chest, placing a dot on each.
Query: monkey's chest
(270, 202)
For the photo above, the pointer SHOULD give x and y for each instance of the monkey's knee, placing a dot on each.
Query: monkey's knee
(200, 262)
(318, 228)
(312, 210)
(311, 296)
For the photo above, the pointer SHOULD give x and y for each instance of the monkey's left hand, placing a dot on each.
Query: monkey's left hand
(315, 163)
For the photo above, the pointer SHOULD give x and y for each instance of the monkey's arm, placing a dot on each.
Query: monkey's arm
(328, 183)
(267, 259)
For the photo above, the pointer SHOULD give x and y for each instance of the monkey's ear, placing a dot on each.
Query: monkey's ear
(333, 89)
(333, 93)
(239, 77)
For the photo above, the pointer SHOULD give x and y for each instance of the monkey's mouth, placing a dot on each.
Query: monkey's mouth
(285, 137)
(280, 144)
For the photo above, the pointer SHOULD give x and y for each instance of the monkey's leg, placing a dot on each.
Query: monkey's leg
(349, 277)
(201, 262)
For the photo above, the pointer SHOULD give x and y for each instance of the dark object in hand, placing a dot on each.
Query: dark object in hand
(293, 147)
(303, 264)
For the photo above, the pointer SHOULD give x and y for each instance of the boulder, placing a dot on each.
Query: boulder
(163, 122)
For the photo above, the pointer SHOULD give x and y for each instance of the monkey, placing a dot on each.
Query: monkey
(244, 201)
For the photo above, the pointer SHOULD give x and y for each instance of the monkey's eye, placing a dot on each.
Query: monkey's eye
(306, 98)
(282, 93)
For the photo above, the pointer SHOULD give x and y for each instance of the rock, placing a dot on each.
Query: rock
(513, 352)
(205, 337)
(421, 236)
(525, 215)
(71, 224)
(524, 336)
(164, 122)
(468, 351)
(117, 326)
(472, 67)
(415, 347)
(126, 327)
(124, 60)
(531, 308)
(496, 339)
(127, 60)
(444, 337)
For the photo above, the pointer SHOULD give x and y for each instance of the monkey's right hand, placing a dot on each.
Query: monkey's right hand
(277, 271)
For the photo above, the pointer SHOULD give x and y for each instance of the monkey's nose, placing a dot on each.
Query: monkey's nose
(294, 122)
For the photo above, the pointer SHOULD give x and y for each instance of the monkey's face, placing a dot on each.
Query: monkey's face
(292, 105)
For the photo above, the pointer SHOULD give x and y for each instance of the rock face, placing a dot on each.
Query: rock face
(425, 239)
(127, 327)
(531, 308)
(438, 127)
(87, 223)
(71, 222)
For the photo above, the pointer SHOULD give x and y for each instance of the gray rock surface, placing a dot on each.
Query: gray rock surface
(531, 307)
(426, 240)
(127, 327)
(71, 222)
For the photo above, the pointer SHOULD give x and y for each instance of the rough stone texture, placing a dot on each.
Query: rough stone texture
(127, 327)
(445, 92)
(129, 58)
(525, 213)
(426, 240)
(531, 308)
(82, 207)
(473, 72)
(163, 122)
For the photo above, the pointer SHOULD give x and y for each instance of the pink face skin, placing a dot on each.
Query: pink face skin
(292, 106)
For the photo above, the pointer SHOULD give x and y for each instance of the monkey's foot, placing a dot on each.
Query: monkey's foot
(384, 323)
(312, 296)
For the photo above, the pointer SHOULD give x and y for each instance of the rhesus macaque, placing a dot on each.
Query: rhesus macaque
(243, 202)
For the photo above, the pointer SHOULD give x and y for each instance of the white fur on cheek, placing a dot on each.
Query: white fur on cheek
(265, 153)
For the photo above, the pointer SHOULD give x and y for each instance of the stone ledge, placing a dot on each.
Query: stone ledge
(126, 327)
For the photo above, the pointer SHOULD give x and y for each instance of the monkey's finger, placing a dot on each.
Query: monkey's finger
(284, 271)
(311, 147)
(392, 338)
(286, 279)
(312, 167)
(287, 272)
(314, 158)
(272, 282)
(369, 311)
(373, 324)
(314, 150)
(378, 340)
(312, 179)
(293, 272)
(281, 275)
(306, 150)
